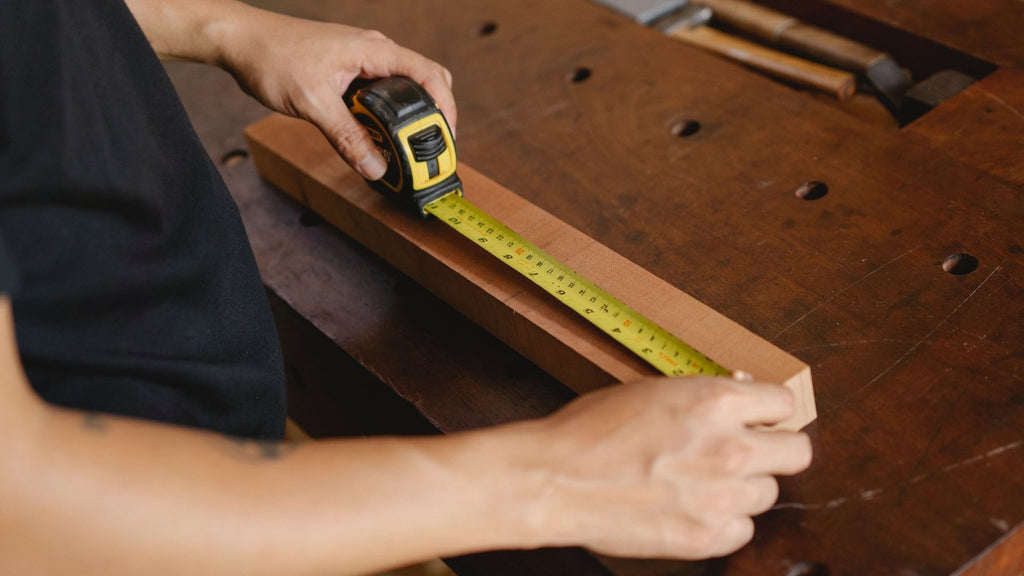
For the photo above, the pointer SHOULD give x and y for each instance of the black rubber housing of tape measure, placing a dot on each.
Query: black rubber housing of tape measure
(385, 106)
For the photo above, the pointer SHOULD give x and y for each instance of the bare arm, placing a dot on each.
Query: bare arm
(663, 468)
(84, 493)
(294, 66)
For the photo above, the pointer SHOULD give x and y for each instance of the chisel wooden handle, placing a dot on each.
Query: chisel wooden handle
(797, 70)
(791, 33)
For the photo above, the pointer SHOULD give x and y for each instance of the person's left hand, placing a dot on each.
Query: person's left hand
(302, 68)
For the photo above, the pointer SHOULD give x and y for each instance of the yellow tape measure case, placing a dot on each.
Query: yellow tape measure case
(411, 134)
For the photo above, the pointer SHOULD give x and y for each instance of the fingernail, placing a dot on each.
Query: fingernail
(741, 376)
(372, 166)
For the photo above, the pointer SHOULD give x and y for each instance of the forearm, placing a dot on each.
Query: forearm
(98, 494)
(196, 30)
(663, 468)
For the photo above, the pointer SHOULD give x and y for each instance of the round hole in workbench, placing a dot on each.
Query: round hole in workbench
(233, 157)
(579, 75)
(487, 28)
(683, 128)
(808, 569)
(960, 264)
(811, 190)
(309, 218)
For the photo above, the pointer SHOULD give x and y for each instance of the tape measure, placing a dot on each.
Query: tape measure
(415, 140)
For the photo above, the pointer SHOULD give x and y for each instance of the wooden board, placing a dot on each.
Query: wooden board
(293, 155)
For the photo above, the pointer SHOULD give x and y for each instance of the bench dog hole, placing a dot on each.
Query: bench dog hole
(960, 264)
(811, 190)
(808, 569)
(684, 128)
(579, 75)
(233, 157)
(487, 28)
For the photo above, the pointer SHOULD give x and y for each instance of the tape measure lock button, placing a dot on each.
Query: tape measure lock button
(427, 144)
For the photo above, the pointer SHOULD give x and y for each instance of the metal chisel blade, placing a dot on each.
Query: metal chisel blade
(644, 11)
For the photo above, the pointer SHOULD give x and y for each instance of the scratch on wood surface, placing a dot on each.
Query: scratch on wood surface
(1000, 524)
(1004, 104)
(850, 343)
(843, 290)
(930, 332)
(869, 495)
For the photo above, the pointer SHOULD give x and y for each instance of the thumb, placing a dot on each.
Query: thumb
(350, 139)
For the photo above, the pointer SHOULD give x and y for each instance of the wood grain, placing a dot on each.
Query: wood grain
(295, 157)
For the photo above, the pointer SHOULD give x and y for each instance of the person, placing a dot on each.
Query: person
(141, 387)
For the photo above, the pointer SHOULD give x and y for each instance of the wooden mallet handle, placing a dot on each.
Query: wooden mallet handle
(797, 70)
(793, 34)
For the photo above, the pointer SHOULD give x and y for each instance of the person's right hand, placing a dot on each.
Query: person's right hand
(294, 66)
(668, 468)
(302, 68)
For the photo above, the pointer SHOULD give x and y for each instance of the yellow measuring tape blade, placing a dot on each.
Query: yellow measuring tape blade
(661, 349)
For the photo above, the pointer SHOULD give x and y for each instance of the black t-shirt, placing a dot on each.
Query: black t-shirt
(134, 288)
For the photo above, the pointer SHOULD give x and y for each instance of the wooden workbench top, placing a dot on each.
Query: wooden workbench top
(919, 461)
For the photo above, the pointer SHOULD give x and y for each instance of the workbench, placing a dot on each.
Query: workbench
(689, 165)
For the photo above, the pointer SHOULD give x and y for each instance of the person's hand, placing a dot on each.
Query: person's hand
(302, 68)
(664, 467)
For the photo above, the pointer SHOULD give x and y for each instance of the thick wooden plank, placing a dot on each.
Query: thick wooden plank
(294, 156)
(1004, 558)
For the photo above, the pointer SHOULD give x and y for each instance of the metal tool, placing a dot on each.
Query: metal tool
(414, 138)
(889, 80)
(690, 23)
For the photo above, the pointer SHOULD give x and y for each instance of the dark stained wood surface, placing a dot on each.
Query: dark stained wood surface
(982, 126)
(919, 462)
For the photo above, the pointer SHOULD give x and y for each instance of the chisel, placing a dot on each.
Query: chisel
(690, 23)
(889, 80)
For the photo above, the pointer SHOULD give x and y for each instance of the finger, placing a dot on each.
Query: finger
(348, 137)
(758, 402)
(440, 87)
(716, 501)
(731, 536)
(763, 493)
(741, 376)
(436, 80)
(778, 452)
(390, 59)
